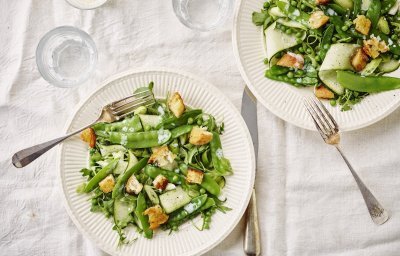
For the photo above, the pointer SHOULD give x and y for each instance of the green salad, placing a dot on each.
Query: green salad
(158, 168)
(340, 47)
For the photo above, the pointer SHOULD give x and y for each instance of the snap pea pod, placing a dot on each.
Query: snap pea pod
(132, 124)
(296, 81)
(153, 171)
(209, 203)
(337, 8)
(147, 139)
(174, 147)
(369, 84)
(180, 130)
(220, 163)
(194, 205)
(374, 12)
(356, 7)
(294, 13)
(143, 219)
(173, 122)
(94, 182)
(326, 41)
(210, 184)
(122, 179)
(278, 70)
(387, 5)
(394, 46)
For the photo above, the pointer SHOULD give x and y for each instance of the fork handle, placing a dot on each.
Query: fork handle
(26, 156)
(251, 243)
(378, 214)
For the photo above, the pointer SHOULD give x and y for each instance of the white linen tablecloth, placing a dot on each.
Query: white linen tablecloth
(308, 202)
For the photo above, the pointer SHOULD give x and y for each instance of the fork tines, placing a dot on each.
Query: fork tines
(323, 120)
(127, 105)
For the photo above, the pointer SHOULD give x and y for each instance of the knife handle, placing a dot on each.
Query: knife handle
(251, 242)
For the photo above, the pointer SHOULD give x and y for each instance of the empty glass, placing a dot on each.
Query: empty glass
(203, 15)
(66, 56)
(86, 4)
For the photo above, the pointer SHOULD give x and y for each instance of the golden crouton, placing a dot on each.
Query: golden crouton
(107, 184)
(363, 24)
(359, 59)
(133, 186)
(194, 176)
(323, 93)
(291, 60)
(322, 2)
(318, 19)
(373, 47)
(176, 105)
(163, 158)
(199, 136)
(160, 182)
(88, 135)
(156, 216)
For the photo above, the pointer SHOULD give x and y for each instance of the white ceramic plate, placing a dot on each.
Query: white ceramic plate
(284, 100)
(236, 144)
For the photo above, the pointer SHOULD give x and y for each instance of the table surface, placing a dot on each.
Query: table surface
(308, 202)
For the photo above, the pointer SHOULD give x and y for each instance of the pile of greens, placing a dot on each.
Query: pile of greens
(340, 47)
(159, 167)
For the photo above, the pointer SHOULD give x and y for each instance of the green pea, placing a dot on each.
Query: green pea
(266, 61)
(290, 74)
(266, 5)
(332, 102)
(301, 49)
(202, 191)
(308, 50)
(190, 120)
(395, 37)
(293, 3)
(175, 178)
(344, 28)
(334, 40)
(199, 121)
(303, 6)
(289, 31)
(299, 34)
(317, 58)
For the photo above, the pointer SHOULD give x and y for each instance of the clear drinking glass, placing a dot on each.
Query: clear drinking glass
(86, 4)
(203, 15)
(66, 56)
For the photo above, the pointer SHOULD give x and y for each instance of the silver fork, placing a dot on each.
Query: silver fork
(329, 131)
(112, 112)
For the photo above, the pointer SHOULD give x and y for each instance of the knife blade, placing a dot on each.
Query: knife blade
(249, 114)
(251, 242)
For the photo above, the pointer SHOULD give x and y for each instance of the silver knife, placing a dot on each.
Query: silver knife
(251, 243)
